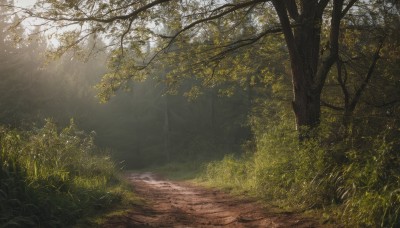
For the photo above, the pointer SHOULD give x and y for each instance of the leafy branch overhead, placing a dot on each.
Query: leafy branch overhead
(159, 24)
(214, 40)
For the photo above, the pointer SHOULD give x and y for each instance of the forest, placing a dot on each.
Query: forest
(294, 103)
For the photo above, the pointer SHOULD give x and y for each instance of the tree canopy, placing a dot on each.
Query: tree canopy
(216, 41)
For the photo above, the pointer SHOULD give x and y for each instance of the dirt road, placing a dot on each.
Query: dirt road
(180, 204)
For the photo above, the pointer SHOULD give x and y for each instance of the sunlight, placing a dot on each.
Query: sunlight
(24, 3)
(30, 24)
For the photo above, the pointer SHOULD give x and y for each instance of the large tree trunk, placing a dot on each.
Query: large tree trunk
(309, 67)
(306, 102)
(303, 43)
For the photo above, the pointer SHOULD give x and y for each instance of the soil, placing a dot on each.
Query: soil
(182, 204)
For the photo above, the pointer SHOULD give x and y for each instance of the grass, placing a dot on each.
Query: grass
(56, 178)
(353, 181)
(124, 207)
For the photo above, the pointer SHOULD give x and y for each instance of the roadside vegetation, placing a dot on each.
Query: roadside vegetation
(350, 176)
(54, 178)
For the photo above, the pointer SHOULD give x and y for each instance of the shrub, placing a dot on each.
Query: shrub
(359, 176)
(52, 178)
(371, 183)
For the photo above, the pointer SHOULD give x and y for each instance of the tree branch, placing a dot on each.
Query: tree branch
(347, 8)
(342, 82)
(287, 31)
(331, 106)
(321, 6)
(245, 42)
(292, 9)
(124, 34)
(133, 14)
(330, 59)
(368, 77)
(232, 9)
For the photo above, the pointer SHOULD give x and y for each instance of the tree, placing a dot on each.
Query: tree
(366, 64)
(192, 25)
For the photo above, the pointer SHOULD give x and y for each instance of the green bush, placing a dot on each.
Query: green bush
(52, 178)
(358, 176)
(371, 183)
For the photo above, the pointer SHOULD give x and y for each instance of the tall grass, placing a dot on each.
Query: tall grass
(52, 178)
(357, 176)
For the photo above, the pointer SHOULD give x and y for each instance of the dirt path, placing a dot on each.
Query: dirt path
(180, 204)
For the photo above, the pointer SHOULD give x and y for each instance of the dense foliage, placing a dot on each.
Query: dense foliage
(53, 178)
(350, 173)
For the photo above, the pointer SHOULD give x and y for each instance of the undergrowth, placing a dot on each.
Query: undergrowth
(354, 179)
(53, 178)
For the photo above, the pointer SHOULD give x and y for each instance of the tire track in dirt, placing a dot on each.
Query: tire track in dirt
(180, 204)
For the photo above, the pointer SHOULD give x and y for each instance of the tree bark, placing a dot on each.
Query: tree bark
(309, 69)
(303, 44)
